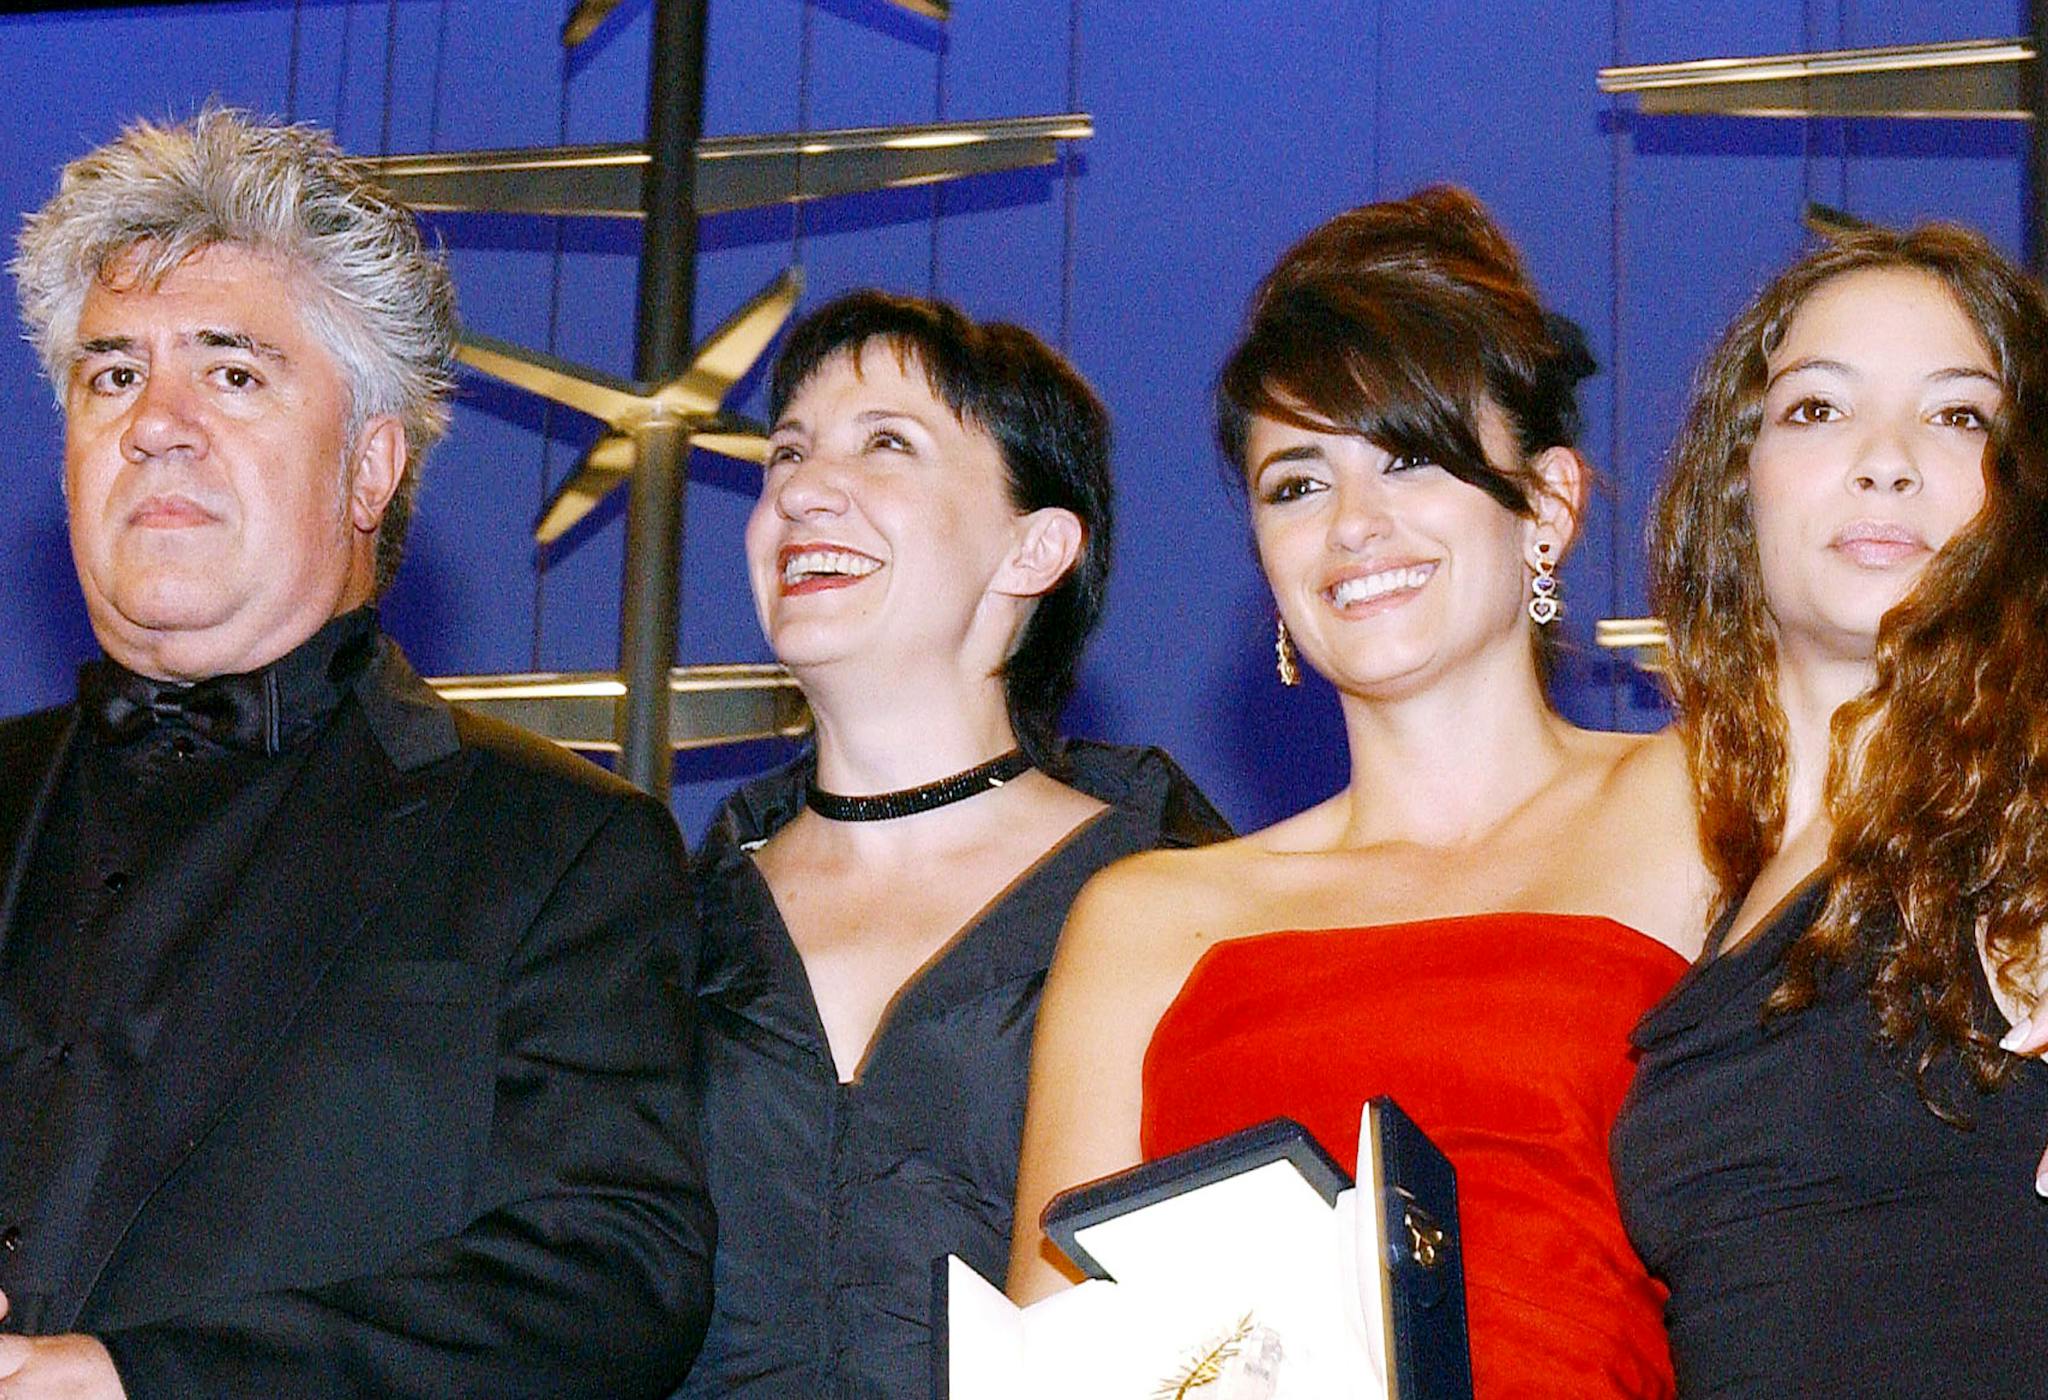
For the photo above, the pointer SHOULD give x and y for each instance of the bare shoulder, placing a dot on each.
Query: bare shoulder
(1655, 762)
(1643, 775)
(1156, 903)
(1636, 839)
(1160, 910)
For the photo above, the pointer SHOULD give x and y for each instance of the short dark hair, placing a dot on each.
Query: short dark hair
(1052, 433)
(1393, 322)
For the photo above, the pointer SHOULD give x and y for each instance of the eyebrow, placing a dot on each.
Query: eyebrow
(208, 337)
(103, 345)
(886, 415)
(1294, 452)
(1940, 376)
(240, 340)
(872, 415)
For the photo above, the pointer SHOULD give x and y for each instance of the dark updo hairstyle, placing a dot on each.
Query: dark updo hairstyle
(1397, 322)
(1052, 433)
(1937, 781)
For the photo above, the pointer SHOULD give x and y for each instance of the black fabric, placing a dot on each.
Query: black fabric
(145, 826)
(834, 1199)
(413, 1120)
(163, 808)
(264, 711)
(1822, 1232)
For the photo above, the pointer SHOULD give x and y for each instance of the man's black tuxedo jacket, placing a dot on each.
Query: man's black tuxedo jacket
(416, 1124)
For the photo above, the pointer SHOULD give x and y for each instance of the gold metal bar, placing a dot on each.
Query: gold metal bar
(733, 172)
(1973, 79)
(1646, 637)
(707, 704)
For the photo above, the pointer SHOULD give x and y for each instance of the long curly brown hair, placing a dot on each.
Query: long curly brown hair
(1937, 782)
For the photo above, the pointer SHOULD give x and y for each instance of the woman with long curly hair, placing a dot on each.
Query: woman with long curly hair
(1476, 918)
(1827, 1154)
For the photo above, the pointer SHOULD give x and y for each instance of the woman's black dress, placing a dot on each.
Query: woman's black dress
(833, 1198)
(1821, 1231)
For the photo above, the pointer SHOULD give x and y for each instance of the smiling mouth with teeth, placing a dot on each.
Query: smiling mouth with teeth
(1364, 588)
(809, 570)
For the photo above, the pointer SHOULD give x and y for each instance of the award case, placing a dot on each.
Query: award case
(1237, 1270)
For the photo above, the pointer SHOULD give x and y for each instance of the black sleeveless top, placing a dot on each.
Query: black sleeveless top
(1821, 1231)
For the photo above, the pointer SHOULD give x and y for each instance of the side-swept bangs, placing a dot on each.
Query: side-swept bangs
(1374, 358)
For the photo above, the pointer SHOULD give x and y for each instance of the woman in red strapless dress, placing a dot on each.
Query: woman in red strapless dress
(1404, 412)
(1504, 1036)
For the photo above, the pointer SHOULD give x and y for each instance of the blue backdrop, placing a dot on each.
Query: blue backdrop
(1225, 129)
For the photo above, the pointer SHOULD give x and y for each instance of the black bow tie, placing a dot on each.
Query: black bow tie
(234, 711)
(265, 711)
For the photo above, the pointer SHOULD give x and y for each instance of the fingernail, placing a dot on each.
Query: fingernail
(2041, 1184)
(2016, 1037)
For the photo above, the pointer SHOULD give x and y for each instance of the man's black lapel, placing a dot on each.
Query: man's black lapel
(32, 751)
(341, 840)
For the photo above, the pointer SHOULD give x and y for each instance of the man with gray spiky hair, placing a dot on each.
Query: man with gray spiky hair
(340, 1036)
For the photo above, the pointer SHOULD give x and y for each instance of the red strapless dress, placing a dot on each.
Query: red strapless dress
(1505, 1037)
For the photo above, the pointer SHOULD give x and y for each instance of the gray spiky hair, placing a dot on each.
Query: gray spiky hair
(371, 292)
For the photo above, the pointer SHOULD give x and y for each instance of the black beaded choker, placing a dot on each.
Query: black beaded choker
(882, 806)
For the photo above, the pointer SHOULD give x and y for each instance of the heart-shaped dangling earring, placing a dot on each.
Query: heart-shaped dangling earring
(1543, 601)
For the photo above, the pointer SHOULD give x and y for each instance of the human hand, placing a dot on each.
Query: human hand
(2029, 1036)
(71, 1367)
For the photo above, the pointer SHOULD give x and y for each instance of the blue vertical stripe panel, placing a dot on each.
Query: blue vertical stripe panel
(1225, 130)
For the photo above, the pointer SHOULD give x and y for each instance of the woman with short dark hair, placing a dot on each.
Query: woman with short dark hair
(1475, 920)
(1828, 1155)
(928, 557)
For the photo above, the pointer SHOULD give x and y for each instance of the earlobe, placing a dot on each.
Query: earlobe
(378, 469)
(1558, 501)
(1048, 544)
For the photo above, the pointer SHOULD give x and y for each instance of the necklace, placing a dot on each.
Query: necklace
(881, 806)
